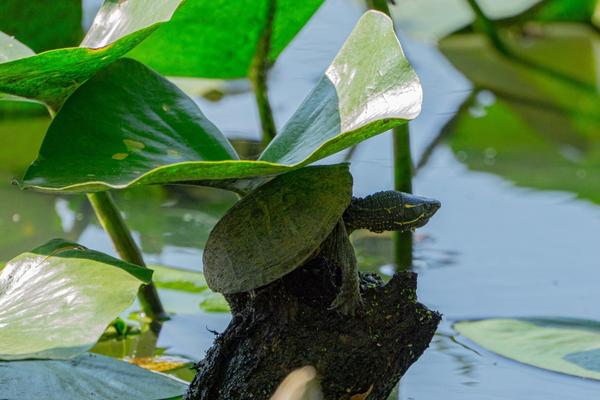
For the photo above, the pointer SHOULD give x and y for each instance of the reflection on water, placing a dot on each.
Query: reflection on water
(494, 250)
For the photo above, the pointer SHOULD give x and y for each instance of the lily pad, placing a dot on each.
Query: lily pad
(89, 376)
(178, 279)
(565, 345)
(219, 38)
(56, 300)
(96, 142)
(50, 77)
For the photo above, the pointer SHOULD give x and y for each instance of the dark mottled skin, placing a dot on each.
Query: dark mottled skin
(382, 211)
(389, 211)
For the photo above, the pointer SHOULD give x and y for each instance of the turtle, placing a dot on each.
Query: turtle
(299, 215)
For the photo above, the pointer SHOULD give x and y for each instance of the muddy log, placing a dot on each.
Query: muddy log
(287, 325)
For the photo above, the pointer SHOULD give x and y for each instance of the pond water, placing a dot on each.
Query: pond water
(499, 247)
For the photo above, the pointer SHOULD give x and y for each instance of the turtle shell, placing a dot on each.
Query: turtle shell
(276, 228)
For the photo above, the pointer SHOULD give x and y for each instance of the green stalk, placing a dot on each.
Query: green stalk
(403, 170)
(489, 27)
(258, 77)
(112, 221)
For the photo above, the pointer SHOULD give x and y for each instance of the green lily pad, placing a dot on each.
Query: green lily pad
(178, 279)
(218, 38)
(56, 300)
(87, 376)
(565, 345)
(129, 126)
(43, 25)
(50, 77)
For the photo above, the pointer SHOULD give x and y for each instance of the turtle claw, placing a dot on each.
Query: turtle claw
(348, 305)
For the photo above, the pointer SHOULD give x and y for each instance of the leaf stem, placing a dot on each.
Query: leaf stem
(113, 223)
(403, 171)
(258, 77)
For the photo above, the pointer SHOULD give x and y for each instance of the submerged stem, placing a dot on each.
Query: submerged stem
(403, 170)
(112, 221)
(259, 74)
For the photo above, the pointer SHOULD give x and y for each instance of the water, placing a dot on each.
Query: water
(494, 250)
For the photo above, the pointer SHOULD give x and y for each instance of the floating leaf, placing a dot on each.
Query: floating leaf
(88, 376)
(214, 302)
(50, 77)
(43, 25)
(96, 142)
(56, 300)
(564, 345)
(178, 279)
(218, 38)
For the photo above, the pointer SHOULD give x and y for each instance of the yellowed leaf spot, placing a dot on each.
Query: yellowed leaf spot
(362, 396)
(158, 363)
(120, 156)
(133, 144)
(173, 154)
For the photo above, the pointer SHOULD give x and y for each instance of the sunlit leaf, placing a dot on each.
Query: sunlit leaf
(50, 77)
(564, 345)
(128, 126)
(218, 38)
(56, 300)
(43, 25)
(87, 376)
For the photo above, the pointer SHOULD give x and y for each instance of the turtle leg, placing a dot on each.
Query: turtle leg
(338, 250)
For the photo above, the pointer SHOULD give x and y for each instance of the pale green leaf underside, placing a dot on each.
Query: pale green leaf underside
(88, 376)
(50, 77)
(565, 345)
(95, 144)
(56, 301)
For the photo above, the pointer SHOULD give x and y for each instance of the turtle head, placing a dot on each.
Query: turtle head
(390, 211)
(417, 211)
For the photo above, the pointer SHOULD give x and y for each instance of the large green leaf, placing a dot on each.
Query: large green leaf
(88, 376)
(564, 345)
(218, 38)
(56, 300)
(50, 77)
(43, 25)
(128, 126)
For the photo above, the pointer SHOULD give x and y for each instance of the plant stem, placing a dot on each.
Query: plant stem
(403, 171)
(489, 28)
(112, 221)
(258, 76)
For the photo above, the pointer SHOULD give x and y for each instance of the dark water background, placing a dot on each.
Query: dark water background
(499, 247)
